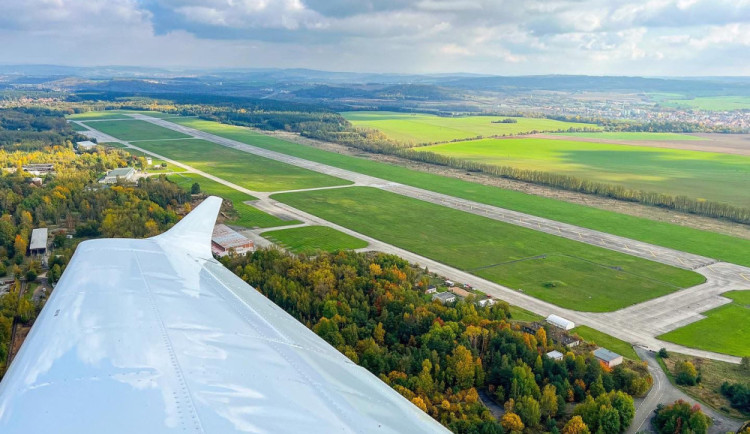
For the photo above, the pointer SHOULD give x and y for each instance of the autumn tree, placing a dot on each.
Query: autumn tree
(548, 401)
(685, 373)
(512, 423)
(575, 426)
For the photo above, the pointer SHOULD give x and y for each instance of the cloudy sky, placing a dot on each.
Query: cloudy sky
(504, 37)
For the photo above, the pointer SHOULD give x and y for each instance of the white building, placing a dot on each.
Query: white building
(608, 357)
(444, 297)
(555, 355)
(38, 244)
(486, 302)
(85, 145)
(122, 174)
(225, 240)
(560, 322)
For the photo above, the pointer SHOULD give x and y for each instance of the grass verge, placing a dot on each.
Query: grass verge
(604, 340)
(309, 239)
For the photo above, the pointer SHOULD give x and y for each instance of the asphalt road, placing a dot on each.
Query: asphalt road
(638, 324)
(663, 392)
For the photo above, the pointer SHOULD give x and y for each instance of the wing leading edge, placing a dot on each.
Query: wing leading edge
(156, 336)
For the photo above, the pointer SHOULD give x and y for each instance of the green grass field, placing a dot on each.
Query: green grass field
(77, 127)
(309, 239)
(634, 136)
(725, 330)
(244, 169)
(699, 175)
(129, 130)
(423, 128)
(572, 275)
(604, 340)
(247, 216)
(711, 103)
(711, 244)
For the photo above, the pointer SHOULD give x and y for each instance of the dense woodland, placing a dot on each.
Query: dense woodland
(373, 309)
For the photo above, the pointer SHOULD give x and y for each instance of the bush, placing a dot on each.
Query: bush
(31, 275)
(685, 374)
(195, 188)
(663, 353)
(679, 418)
(738, 394)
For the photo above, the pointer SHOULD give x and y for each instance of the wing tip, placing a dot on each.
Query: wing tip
(194, 231)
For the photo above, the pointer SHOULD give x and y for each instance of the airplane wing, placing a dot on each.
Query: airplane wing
(156, 336)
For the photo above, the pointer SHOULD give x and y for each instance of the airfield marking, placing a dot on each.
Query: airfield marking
(745, 276)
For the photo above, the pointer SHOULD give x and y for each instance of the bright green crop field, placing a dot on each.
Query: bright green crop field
(558, 270)
(247, 216)
(699, 175)
(725, 330)
(419, 128)
(247, 170)
(309, 239)
(632, 136)
(711, 244)
(712, 103)
(129, 130)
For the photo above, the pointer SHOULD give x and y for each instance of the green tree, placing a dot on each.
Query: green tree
(685, 373)
(609, 421)
(528, 410)
(548, 401)
(195, 188)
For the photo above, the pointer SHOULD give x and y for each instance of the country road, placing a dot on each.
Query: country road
(638, 324)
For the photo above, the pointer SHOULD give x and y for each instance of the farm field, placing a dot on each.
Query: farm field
(604, 340)
(725, 330)
(624, 135)
(423, 128)
(711, 103)
(558, 270)
(309, 239)
(699, 175)
(247, 170)
(246, 215)
(710, 244)
(130, 130)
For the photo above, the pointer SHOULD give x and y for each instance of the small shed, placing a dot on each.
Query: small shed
(450, 283)
(486, 302)
(555, 355)
(444, 297)
(431, 290)
(38, 244)
(608, 357)
(560, 322)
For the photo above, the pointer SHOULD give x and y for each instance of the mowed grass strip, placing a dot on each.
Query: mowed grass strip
(309, 239)
(571, 275)
(247, 215)
(698, 175)
(606, 341)
(115, 114)
(725, 330)
(699, 242)
(244, 169)
(129, 130)
(424, 128)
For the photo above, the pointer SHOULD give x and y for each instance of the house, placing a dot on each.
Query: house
(566, 340)
(608, 357)
(560, 322)
(38, 244)
(459, 292)
(486, 302)
(85, 145)
(225, 240)
(444, 297)
(431, 290)
(122, 174)
(39, 169)
(555, 355)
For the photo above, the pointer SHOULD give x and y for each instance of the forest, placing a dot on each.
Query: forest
(373, 309)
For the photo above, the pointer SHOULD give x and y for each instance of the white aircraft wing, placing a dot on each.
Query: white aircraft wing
(155, 336)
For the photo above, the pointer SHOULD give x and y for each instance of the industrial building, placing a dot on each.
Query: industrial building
(38, 244)
(225, 241)
(85, 145)
(560, 322)
(444, 297)
(122, 174)
(609, 358)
